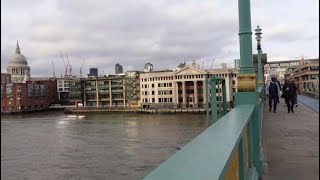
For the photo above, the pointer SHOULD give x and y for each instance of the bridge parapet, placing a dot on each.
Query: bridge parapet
(223, 151)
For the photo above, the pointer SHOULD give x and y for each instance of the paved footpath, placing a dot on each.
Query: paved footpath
(311, 103)
(291, 144)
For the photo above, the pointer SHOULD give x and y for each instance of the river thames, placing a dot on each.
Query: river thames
(50, 145)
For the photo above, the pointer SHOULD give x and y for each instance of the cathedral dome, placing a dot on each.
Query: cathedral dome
(18, 60)
(18, 66)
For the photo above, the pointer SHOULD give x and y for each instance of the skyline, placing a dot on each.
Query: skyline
(165, 34)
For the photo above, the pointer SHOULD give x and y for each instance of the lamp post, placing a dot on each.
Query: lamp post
(258, 38)
(246, 64)
(247, 76)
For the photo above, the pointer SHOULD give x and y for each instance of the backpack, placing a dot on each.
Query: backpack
(273, 87)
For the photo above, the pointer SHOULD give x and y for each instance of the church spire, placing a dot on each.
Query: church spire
(17, 48)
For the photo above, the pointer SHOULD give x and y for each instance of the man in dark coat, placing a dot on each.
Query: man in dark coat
(289, 89)
(273, 92)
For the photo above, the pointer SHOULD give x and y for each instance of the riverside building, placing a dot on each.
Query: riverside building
(183, 88)
(20, 92)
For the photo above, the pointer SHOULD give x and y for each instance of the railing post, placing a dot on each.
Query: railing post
(207, 99)
(242, 159)
(214, 117)
(224, 97)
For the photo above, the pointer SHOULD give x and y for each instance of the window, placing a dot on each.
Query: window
(159, 100)
(152, 92)
(153, 100)
(152, 85)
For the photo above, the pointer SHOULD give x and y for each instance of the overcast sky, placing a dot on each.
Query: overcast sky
(162, 32)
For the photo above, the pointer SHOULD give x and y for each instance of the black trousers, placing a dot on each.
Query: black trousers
(273, 97)
(290, 101)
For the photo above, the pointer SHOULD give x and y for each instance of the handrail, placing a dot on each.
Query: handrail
(207, 156)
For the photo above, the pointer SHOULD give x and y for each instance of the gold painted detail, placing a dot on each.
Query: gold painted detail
(261, 82)
(233, 169)
(246, 82)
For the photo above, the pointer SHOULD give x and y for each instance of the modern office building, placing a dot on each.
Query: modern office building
(118, 69)
(306, 75)
(278, 68)
(99, 91)
(93, 72)
(148, 67)
(132, 88)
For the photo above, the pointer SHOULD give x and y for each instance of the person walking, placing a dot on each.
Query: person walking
(289, 89)
(296, 94)
(273, 92)
(278, 99)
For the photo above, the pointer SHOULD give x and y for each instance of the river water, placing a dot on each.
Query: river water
(100, 146)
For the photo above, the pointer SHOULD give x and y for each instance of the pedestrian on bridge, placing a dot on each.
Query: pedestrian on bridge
(273, 92)
(279, 89)
(289, 89)
(297, 92)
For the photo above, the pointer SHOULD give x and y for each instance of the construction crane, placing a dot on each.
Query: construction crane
(202, 64)
(69, 65)
(65, 66)
(70, 69)
(212, 64)
(54, 75)
(81, 68)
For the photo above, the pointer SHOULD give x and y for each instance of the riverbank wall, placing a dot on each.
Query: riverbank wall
(133, 110)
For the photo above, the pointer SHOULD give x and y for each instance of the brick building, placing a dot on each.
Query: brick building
(29, 96)
(20, 92)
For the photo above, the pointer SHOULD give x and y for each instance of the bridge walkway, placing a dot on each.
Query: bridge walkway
(291, 144)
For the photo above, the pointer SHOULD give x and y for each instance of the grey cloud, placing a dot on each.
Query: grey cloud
(130, 33)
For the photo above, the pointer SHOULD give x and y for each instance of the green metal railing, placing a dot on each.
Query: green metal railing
(228, 149)
(218, 107)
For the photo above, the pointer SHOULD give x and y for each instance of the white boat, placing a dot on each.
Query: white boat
(76, 116)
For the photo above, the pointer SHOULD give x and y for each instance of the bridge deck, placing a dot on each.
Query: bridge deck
(291, 143)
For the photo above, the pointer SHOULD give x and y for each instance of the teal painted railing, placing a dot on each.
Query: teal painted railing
(218, 107)
(228, 149)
